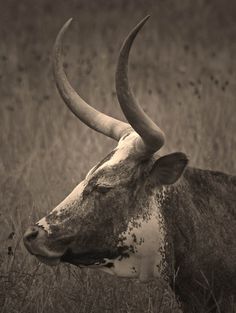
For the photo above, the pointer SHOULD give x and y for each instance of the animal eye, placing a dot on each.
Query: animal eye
(103, 188)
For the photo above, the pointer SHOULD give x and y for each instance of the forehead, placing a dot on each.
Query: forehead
(124, 150)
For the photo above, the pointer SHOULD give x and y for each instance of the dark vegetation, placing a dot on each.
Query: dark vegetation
(183, 73)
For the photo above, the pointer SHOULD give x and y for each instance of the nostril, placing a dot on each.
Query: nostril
(31, 234)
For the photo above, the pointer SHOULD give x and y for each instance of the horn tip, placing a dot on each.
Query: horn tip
(68, 22)
(144, 20)
(63, 29)
(66, 25)
(141, 23)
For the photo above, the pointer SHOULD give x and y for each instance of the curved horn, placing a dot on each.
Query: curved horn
(151, 134)
(98, 121)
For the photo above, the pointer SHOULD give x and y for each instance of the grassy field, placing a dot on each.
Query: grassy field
(183, 69)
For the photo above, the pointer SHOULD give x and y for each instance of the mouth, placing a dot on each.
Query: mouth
(87, 259)
(92, 258)
(83, 260)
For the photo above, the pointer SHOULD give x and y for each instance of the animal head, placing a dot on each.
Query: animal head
(112, 220)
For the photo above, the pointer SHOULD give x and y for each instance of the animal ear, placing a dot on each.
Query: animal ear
(168, 169)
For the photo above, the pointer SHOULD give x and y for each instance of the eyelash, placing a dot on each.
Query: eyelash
(103, 189)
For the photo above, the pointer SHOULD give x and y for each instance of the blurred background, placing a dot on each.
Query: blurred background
(182, 70)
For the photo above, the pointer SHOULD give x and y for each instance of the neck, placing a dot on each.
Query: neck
(200, 222)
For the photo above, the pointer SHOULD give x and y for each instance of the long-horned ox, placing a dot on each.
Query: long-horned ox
(140, 215)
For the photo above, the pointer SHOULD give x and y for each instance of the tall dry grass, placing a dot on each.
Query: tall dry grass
(183, 73)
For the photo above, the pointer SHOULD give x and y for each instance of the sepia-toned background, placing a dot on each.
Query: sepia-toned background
(182, 69)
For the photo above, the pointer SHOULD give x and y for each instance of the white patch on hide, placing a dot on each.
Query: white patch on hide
(145, 238)
(43, 223)
(122, 151)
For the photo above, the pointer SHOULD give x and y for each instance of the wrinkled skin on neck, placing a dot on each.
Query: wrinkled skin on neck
(110, 220)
